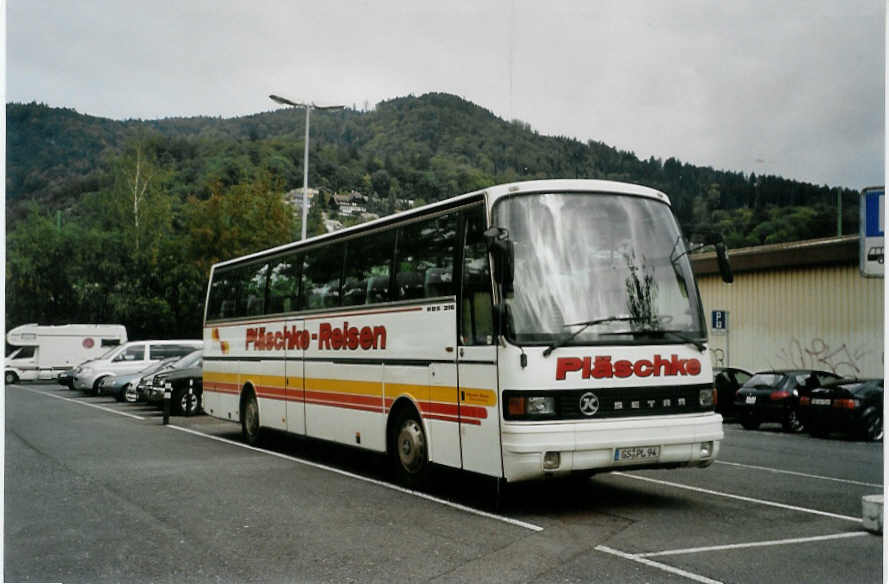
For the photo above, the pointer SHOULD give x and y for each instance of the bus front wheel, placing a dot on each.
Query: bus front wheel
(250, 421)
(410, 455)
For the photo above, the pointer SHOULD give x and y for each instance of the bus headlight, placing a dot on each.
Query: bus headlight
(530, 407)
(706, 449)
(706, 398)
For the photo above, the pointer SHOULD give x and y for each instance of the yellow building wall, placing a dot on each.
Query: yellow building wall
(826, 317)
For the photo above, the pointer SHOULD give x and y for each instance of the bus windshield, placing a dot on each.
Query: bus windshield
(596, 268)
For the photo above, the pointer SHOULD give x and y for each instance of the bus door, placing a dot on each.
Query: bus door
(294, 378)
(477, 355)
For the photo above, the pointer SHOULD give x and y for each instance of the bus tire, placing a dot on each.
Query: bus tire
(250, 429)
(409, 451)
(10, 377)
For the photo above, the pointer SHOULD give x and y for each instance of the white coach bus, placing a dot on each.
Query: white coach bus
(536, 328)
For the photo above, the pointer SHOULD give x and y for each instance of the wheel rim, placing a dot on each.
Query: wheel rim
(411, 446)
(875, 428)
(10, 378)
(188, 403)
(251, 418)
(793, 423)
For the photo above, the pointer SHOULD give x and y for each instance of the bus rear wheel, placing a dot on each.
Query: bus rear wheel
(410, 455)
(250, 430)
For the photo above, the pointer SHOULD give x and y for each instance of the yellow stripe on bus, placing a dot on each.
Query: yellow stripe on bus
(437, 393)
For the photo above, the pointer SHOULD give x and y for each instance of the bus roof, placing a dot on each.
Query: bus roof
(490, 194)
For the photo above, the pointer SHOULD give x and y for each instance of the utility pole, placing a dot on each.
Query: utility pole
(839, 212)
(308, 106)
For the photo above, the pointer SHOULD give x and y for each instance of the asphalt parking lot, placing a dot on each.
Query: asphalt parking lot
(98, 491)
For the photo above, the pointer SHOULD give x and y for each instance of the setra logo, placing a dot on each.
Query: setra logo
(589, 404)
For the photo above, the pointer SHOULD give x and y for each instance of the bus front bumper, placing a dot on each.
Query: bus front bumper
(535, 450)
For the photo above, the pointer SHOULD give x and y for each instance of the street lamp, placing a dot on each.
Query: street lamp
(309, 107)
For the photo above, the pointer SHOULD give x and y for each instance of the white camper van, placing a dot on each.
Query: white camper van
(42, 351)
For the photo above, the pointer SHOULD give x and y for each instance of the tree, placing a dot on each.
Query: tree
(238, 220)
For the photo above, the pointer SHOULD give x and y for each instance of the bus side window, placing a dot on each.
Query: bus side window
(477, 326)
(425, 258)
(322, 273)
(251, 300)
(368, 260)
(221, 301)
(284, 284)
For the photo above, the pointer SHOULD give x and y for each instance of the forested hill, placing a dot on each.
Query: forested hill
(421, 148)
(120, 221)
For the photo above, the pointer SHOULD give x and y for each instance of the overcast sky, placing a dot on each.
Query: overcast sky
(794, 88)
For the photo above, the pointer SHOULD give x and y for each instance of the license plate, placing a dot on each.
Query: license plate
(820, 401)
(751, 399)
(636, 453)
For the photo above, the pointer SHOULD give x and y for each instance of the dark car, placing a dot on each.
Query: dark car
(853, 406)
(66, 378)
(121, 386)
(185, 379)
(186, 390)
(773, 396)
(727, 381)
(145, 383)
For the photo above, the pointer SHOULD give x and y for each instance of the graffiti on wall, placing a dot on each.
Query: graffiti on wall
(819, 354)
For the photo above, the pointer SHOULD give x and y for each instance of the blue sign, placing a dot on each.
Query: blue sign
(870, 240)
(719, 320)
(873, 201)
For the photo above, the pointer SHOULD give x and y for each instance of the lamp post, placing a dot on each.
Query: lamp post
(309, 107)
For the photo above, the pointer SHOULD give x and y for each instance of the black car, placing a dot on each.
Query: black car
(773, 396)
(185, 385)
(853, 406)
(66, 378)
(145, 385)
(727, 381)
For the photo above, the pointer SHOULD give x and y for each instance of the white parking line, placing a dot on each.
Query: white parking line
(83, 403)
(658, 565)
(739, 497)
(738, 546)
(445, 502)
(800, 474)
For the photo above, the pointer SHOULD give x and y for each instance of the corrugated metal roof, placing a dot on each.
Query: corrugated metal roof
(811, 252)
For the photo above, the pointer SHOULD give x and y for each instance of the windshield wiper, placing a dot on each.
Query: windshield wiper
(681, 335)
(583, 326)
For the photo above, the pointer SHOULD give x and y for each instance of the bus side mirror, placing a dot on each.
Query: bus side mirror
(502, 250)
(725, 269)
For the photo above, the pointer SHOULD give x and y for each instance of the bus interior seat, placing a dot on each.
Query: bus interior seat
(410, 285)
(254, 305)
(354, 292)
(438, 282)
(377, 289)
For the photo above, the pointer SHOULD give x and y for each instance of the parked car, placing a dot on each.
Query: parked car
(129, 358)
(144, 386)
(185, 378)
(773, 396)
(853, 406)
(727, 381)
(66, 378)
(118, 385)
